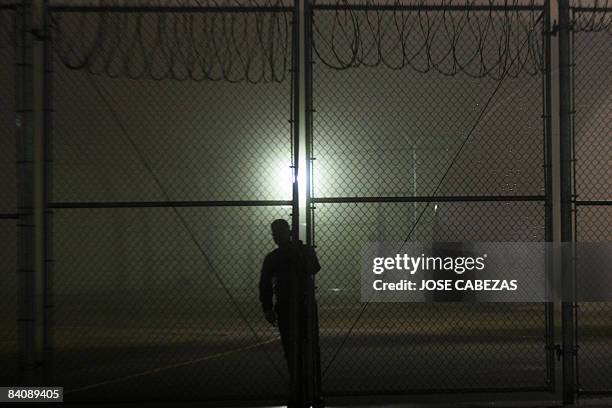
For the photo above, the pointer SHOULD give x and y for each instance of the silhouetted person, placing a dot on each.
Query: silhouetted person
(286, 276)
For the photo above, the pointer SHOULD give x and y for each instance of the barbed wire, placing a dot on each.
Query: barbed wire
(594, 16)
(254, 46)
(247, 46)
(479, 42)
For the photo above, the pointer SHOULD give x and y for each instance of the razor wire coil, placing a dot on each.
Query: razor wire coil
(595, 16)
(478, 42)
(250, 47)
(254, 46)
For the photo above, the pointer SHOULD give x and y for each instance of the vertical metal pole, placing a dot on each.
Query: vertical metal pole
(308, 118)
(315, 386)
(25, 191)
(297, 387)
(41, 106)
(46, 70)
(567, 306)
(38, 175)
(549, 307)
(576, 305)
(31, 124)
(296, 111)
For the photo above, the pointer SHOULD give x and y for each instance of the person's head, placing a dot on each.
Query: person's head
(281, 232)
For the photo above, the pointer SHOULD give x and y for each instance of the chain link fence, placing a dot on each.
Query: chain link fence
(170, 163)
(8, 202)
(416, 137)
(379, 348)
(172, 149)
(592, 63)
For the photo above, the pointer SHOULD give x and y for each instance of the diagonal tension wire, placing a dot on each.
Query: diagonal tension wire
(182, 220)
(448, 169)
(415, 224)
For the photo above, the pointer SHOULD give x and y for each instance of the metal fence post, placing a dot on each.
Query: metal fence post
(45, 70)
(24, 101)
(565, 151)
(548, 185)
(298, 388)
(32, 104)
(308, 112)
(315, 380)
(296, 95)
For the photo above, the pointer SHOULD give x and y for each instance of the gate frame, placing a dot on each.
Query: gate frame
(34, 99)
(547, 199)
(576, 202)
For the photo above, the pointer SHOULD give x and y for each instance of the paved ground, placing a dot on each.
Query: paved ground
(365, 403)
(178, 353)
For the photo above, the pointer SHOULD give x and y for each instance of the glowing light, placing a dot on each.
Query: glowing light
(283, 180)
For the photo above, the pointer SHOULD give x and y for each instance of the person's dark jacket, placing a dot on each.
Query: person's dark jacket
(279, 269)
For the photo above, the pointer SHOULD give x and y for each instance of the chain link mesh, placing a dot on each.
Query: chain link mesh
(385, 132)
(451, 346)
(408, 155)
(593, 145)
(139, 313)
(206, 141)
(593, 182)
(593, 319)
(162, 303)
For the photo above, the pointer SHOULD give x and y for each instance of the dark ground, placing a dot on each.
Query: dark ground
(176, 353)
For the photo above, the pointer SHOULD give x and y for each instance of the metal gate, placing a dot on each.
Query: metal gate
(413, 138)
(163, 194)
(592, 64)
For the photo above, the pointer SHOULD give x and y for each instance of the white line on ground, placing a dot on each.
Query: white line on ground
(169, 367)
